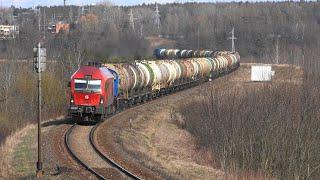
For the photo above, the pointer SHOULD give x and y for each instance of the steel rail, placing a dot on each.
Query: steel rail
(76, 158)
(108, 159)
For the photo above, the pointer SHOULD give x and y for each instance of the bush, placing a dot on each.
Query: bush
(275, 129)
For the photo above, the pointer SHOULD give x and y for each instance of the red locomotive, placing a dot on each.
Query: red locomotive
(91, 92)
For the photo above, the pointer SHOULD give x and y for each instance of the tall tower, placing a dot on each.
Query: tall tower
(131, 20)
(64, 2)
(157, 17)
(232, 40)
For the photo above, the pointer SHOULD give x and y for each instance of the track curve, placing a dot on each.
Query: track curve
(108, 159)
(101, 173)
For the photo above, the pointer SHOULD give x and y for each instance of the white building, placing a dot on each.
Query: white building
(261, 73)
(8, 31)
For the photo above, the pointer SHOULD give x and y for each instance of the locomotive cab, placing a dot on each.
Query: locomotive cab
(91, 90)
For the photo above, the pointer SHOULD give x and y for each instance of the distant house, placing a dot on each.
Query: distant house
(8, 31)
(62, 26)
(59, 26)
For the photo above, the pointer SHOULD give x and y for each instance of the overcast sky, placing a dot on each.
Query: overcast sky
(31, 3)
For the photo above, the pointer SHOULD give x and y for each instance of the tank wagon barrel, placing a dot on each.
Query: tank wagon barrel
(140, 80)
(178, 54)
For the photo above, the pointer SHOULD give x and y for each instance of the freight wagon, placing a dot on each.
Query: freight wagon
(98, 90)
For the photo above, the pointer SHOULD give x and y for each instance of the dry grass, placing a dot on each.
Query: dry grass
(158, 42)
(13, 147)
(160, 141)
(161, 145)
(260, 128)
(9, 146)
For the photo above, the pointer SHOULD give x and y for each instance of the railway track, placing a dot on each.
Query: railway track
(89, 164)
(125, 173)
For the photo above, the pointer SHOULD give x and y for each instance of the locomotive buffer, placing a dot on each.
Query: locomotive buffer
(39, 62)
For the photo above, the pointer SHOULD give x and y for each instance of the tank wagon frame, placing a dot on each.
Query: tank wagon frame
(140, 81)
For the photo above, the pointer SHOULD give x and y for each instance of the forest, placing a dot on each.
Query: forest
(104, 33)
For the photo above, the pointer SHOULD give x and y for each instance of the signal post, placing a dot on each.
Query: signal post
(39, 62)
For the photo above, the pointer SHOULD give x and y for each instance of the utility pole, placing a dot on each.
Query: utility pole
(141, 30)
(131, 20)
(198, 38)
(53, 18)
(64, 3)
(39, 19)
(157, 17)
(232, 40)
(277, 49)
(82, 10)
(70, 14)
(44, 22)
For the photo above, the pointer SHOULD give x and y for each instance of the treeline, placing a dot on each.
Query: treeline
(102, 32)
(18, 98)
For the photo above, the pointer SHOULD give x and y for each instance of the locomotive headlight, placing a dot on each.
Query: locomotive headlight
(71, 101)
(101, 101)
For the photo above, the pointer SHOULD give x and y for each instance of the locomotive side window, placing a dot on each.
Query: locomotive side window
(87, 85)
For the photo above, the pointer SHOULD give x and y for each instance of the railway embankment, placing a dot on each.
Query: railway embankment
(155, 137)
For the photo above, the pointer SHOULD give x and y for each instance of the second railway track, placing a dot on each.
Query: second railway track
(79, 141)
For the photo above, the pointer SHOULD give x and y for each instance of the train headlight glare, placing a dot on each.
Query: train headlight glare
(101, 101)
(71, 101)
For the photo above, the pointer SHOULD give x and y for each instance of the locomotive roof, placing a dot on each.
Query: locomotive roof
(95, 71)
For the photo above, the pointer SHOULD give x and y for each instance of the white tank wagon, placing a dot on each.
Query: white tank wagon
(157, 80)
(196, 67)
(205, 66)
(147, 74)
(172, 72)
(165, 73)
(178, 69)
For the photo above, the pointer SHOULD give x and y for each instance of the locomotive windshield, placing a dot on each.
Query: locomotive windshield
(83, 85)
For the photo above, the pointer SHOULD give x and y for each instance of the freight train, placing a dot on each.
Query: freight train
(98, 90)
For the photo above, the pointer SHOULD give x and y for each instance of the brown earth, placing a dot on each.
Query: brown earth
(147, 140)
(159, 41)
